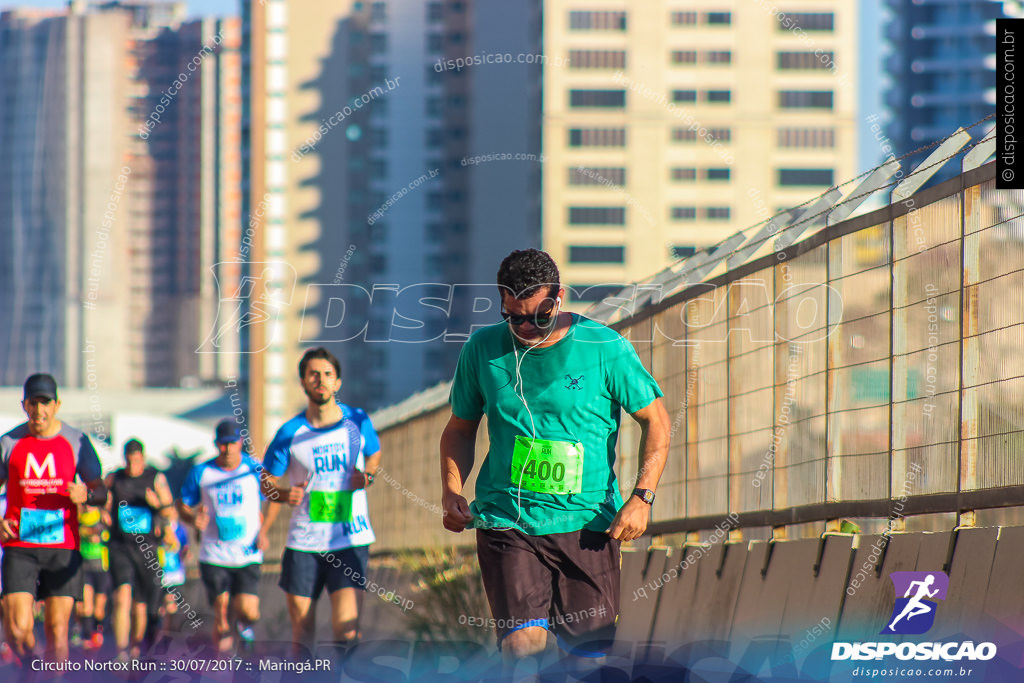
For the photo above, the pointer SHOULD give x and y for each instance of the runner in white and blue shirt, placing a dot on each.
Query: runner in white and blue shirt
(320, 462)
(222, 499)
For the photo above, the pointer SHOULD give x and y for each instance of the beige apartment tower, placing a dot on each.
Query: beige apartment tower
(676, 124)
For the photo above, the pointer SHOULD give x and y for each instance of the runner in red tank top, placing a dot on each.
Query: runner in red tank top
(39, 461)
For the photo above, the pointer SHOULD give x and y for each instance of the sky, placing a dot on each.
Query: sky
(195, 7)
(870, 17)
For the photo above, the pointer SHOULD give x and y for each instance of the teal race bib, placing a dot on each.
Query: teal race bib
(135, 520)
(230, 528)
(330, 506)
(544, 466)
(43, 527)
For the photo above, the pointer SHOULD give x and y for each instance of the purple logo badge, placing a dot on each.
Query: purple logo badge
(914, 612)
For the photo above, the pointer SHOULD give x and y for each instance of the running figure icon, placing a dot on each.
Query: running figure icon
(915, 606)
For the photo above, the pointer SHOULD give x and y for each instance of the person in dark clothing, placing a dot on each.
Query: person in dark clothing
(139, 502)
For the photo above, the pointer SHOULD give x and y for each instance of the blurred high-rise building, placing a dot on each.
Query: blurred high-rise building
(941, 70)
(362, 138)
(119, 179)
(669, 126)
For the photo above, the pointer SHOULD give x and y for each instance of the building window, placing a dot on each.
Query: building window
(458, 7)
(683, 251)
(682, 174)
(378, 169)
(379, 11)
(805, 99)
(435, 43)
(718, 96)
(684, 56)
(603, 175)
(807, 21)
(379, 137)
(718, 18)
(718, 57)
(789, 177)
(720, 134)
(717, 213)
(684, 18)
(595, 254)
(435, 12)
(611, 99)
(456, 38)
(593, 293)
(597, 59)
(805, 60)
(806, 137)
(597, 137)
(717, 174)
(378, 43)
(435, 138)
(378, 74)
(684, 135)
(684, 95)
(684, 213)
(597, 21)
(433, 105)
(597, 215)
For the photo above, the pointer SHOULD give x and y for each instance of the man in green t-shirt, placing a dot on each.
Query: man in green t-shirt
(548, 512)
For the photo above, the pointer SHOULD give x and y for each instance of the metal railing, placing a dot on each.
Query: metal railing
(814, 368)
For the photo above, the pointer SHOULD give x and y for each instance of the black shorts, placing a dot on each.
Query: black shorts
(43, 572)
(234, 580)
(128, 564)
(98, 579)
(306, 573)
(567, 583)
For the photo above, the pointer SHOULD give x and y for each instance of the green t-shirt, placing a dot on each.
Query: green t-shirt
(574, 390)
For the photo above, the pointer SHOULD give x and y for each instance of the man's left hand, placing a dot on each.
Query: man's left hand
(359, 480)
(153, 500)
(631, 521)
(78, 493)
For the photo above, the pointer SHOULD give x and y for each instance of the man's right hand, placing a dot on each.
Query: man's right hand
(201, 518)
(295, 495)
(8, 531)
(456, 512)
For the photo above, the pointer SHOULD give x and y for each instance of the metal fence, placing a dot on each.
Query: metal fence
(877, 362)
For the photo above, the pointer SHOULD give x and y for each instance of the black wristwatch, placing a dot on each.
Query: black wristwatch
(646, 495)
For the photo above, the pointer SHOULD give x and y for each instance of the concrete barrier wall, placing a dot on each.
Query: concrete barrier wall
(743, 592)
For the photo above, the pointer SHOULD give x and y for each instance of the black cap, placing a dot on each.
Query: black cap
(227, 431)
(41, 384)
(133, 446)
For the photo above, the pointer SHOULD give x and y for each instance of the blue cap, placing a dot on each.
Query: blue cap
(227, 431)
(41, 385)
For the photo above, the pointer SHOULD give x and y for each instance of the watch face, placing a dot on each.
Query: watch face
(646, 495)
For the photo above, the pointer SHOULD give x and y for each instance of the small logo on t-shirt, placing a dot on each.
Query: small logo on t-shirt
(33, 467)
(574, 383)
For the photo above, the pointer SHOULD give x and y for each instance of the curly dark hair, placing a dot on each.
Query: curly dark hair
(322, 353)
(523, 272)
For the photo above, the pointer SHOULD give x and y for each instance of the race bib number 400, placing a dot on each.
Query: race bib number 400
(546, 466)
(330, 506)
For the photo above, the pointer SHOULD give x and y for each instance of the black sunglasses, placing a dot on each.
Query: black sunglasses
(538, 319)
